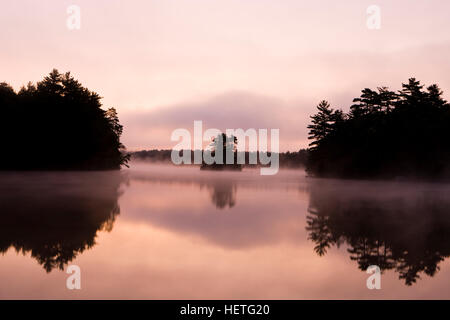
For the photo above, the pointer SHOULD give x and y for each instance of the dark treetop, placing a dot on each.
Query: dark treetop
(385, 134)
(58, 124)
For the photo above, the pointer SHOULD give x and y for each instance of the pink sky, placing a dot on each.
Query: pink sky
(165, 63)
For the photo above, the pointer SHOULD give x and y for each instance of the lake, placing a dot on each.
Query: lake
(165, 232)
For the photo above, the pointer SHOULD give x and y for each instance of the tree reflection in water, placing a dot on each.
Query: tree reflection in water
(223, 194)
(398, 226)
(55, 216)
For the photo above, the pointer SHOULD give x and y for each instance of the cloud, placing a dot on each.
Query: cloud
(232, 110)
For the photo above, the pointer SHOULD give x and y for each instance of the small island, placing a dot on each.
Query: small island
(226, 145)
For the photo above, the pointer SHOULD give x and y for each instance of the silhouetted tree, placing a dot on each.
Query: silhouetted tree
(323, 122)
(58, 124)
(224, 142)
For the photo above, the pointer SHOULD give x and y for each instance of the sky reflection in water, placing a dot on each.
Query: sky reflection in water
(165, 232)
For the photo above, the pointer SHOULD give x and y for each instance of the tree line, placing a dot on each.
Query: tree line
(57, 124)
(385, 134)
(295, 159)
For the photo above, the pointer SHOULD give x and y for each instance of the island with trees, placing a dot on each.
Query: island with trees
(222, 153)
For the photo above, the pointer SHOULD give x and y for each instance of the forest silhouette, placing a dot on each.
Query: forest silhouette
(385, 134)
(58, 124)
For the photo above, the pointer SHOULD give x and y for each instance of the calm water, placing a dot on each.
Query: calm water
(161, 232)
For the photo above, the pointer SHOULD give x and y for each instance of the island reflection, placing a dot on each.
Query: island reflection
(223, 195)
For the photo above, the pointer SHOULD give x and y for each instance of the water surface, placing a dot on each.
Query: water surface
(163, 232)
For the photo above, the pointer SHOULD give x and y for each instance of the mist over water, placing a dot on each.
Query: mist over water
(161, 231)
